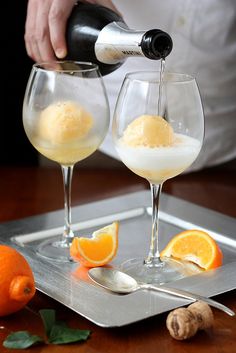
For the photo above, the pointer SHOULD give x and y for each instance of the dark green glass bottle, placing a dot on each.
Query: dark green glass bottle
(99, 35)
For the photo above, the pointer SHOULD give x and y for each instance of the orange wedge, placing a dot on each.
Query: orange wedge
(98, 250)
(195, 246)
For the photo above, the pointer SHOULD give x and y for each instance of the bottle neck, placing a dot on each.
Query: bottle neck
(116, 42)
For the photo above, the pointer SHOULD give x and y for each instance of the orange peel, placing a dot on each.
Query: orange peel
(196, 246)
(98, 250)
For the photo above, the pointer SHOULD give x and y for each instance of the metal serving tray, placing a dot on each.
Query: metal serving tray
(69, 284)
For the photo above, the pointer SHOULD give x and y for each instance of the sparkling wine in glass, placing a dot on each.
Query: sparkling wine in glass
(158, 130)
(65, 117)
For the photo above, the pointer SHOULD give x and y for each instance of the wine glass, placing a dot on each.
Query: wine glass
(158, 130)
(65, 117)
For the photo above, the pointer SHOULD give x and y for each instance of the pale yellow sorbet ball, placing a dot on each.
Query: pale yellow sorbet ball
(64, 122)
(149, 131)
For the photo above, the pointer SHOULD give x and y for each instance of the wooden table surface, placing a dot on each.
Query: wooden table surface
(30, 191)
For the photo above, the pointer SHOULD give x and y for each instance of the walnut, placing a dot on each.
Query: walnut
(203, 314)
(184, 323)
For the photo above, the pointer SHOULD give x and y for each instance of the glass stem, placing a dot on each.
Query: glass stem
(67, 172)
(153, 259)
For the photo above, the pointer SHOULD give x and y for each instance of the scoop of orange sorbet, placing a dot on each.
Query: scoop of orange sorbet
(149, 131)
(64, 122)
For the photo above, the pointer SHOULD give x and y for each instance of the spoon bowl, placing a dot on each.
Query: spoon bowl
(113, 280)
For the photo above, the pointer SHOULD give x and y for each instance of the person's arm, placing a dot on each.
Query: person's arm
(45, 27)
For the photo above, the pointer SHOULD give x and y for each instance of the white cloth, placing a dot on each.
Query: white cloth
(204, 38)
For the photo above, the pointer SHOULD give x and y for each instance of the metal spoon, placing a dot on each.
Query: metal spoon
(119, 282)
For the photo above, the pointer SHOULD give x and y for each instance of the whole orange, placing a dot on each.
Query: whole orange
(17, 284)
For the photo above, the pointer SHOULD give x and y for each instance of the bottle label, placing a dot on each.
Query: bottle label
(117, 42)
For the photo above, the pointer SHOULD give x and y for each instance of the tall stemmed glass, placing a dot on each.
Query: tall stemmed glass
(158, 132)
(65, 117)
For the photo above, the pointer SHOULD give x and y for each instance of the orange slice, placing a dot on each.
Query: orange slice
(195, 246)
(98, 250)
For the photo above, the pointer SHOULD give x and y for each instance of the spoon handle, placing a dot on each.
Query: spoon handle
(188, 295)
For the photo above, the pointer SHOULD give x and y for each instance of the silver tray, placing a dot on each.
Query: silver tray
(68, 284)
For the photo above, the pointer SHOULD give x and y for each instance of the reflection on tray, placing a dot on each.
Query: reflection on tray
(96, 222)
(120, 216)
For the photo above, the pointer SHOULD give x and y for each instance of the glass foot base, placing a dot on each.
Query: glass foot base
(55, 249)
(164, 271)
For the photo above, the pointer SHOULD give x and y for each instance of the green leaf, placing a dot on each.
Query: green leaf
(49, 319)
(21, 340)
(61, 323)
(61, 334)
(57, 332)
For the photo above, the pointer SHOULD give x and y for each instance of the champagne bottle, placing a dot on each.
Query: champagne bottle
(99, 35)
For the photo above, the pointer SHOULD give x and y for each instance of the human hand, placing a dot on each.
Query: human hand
(45, 27)
(106, 3)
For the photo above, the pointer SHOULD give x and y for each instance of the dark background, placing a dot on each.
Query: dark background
(16, 67)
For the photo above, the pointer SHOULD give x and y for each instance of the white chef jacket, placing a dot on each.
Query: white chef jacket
(204, 45)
